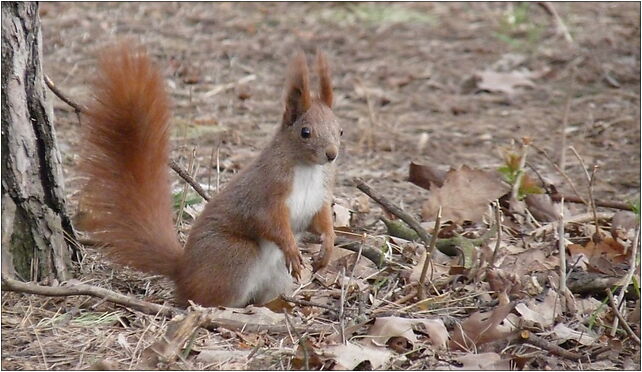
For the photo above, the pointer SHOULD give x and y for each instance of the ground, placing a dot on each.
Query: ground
(407, 88)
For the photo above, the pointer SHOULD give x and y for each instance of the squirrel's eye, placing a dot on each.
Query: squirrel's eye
(305, 132)
(341, 133)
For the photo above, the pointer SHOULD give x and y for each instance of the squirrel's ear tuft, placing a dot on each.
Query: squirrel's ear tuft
(325, 83)
(297, 90)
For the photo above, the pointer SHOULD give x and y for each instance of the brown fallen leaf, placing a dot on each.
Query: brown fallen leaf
(385, 328)
(306, 356)
(543, 312)
(504, 82)
(350, 355)
(483, 361)
(480, 328)
(425, 175)
(623, 225)
(464, 195)
(608, 248)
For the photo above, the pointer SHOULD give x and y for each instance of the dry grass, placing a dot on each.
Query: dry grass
(399, 71)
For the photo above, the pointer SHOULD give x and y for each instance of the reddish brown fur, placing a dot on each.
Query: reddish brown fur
(325, 83)
(126, 160)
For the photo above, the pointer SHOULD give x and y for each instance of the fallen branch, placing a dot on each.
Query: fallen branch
(11, 285)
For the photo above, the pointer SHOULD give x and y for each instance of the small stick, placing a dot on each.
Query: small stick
(629, 274)
(12, 285)
(561, 247)
(308, 303)
(560, 171)
(184, 175)
(387, 205)
(371, 254)
(533, 339)
(590, 179)
(561, 27)
(78, 109)
(598, 203)
(580, 218)
(520, 171)
(498, 222)
(429, 252)
(625, 325)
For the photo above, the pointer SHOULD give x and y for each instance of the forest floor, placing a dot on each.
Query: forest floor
(439, 84)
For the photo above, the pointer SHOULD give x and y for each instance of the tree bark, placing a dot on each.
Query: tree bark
(37, 233)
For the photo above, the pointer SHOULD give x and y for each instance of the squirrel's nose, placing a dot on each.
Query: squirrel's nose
(331, 152)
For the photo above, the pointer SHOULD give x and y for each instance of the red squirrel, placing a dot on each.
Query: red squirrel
(242, 249)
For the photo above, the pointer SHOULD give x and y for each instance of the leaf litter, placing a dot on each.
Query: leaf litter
(373, 318)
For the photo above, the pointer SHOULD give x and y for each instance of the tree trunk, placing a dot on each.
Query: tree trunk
(34, 219)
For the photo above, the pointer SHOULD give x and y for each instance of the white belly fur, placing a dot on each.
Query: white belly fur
(307, 195)
(269, 277)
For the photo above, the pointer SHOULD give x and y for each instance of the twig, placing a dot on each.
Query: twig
(561, 27)
(78, 109)
(168, 347)
(387, 205)
(625, 325)
(589, 178)
(498, 223)
(12, 285)
(520, 170)
(580, 218)
(629, 274)
(429, 252)
(598, 203)
(533, 339)
(308, 303)
(561, 172)
(561, 247)
(351, 245)
(184, 175)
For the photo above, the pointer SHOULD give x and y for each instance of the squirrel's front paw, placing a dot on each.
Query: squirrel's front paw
(294, 262)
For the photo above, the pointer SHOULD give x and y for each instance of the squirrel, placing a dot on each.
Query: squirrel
(242, 249)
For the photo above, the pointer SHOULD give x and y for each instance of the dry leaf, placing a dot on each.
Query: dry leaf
(483, 361)
(504, 82)
(464, 195)
(564, 333)
(480, 328)
(387, 327)
(609, 249)
(350, 355)
(425, 175)
(341, 216)
(541, 312)
(623, 225)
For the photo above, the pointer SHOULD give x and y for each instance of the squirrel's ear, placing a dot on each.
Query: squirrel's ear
(325, 83)
(297, 90)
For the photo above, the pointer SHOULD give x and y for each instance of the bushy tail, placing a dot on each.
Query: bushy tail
(125, 155)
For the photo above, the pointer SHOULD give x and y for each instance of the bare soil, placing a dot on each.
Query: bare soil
(403, 76)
